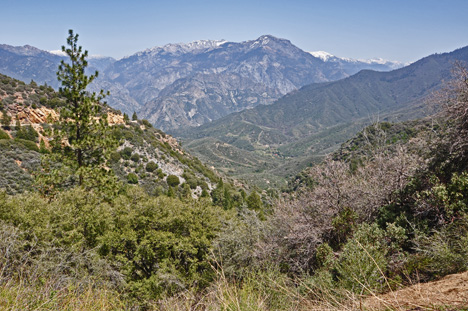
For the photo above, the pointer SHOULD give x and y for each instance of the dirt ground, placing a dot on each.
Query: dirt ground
(449, 293)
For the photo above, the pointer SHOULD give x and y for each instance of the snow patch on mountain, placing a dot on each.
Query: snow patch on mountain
(198, 46)
(327, 57)
(58, 52)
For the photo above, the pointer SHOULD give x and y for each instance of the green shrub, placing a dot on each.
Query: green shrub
(28, 144)
(254, 201)
(363, 263)
(27, 132)
(42, 147)
(445, 251)
(6, 120)
(447, 201)
(151, 166)
(115, 157)
(160, 173)
(343, 226)
(163, 244)
(132, 178)
(172, 180)
(192, 182)
(146, 123)
(126, 153)
(205, 194)
(4, 135)
(139, 169)
(135, 157)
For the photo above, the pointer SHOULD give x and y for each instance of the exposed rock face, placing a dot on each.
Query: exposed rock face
(27, 115)
(200, 99)
(114, 119)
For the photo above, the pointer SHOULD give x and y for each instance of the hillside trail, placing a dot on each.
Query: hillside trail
(449, 293)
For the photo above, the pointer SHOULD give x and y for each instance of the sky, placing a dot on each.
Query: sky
(391, 29)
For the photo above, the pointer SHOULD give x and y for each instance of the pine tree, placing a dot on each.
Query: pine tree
(82, 141)
(42, 147)
(254, 201)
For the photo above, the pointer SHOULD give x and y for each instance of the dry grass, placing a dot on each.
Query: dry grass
(21, 296)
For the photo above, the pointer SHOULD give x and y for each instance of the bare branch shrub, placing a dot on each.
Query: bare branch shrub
(452, 146)
(303, 223)
(236, 247)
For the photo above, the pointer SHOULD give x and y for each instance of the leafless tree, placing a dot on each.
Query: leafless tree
(453, 101)
(301, 224)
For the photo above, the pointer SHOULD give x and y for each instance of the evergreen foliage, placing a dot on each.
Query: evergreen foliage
(132, 178)
(82, 140)
(151, 166)
(173, 181)
(4, 135)
(27, 132)
(143, 246)
(6, 121)
(254, 201)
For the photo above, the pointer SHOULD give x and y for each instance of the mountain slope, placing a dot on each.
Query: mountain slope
(191, 84)
(266, 69)
(28, 63)
(287, 124)
(222, 77)
(145, 153)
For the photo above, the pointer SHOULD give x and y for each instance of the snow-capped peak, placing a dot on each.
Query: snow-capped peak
(322, 55)
(58, 52)
(199, 45)
(327, 57)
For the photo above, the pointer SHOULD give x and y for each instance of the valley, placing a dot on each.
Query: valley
(309, 123)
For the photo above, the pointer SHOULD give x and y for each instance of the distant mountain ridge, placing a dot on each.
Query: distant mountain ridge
(28, 63)
(214, 76)
(350, 65)
(193, 83)
(317, 118)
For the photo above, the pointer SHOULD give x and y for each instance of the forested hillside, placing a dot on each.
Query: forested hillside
(145, 155)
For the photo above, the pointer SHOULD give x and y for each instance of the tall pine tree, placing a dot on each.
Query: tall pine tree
(82, 140)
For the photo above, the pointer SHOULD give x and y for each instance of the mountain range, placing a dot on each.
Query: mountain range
(261, 109)
(314, 120)
(180, 85)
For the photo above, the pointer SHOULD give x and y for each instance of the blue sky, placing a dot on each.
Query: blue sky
(394, 29)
